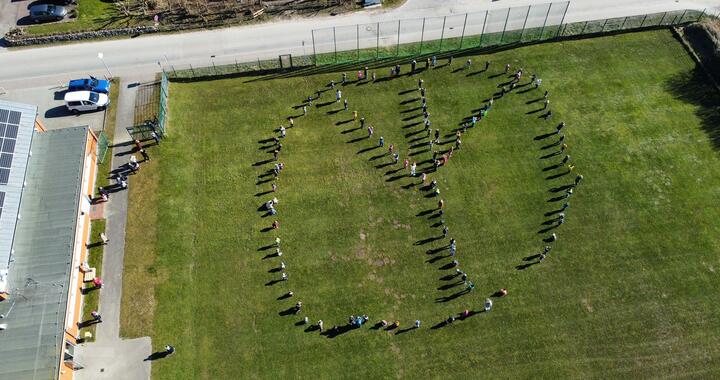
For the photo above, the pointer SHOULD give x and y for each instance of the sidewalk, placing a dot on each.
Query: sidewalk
(111, 357)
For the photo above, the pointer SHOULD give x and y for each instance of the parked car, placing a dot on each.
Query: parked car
(47, 12)
(79, 101)
(89, 84)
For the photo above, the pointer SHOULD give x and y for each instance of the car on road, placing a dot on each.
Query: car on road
(47, 12)
(80, 101)
(89, 84)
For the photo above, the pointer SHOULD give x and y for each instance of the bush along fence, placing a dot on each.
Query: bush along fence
(471, 32)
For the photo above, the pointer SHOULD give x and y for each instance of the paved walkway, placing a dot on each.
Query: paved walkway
(110, 357)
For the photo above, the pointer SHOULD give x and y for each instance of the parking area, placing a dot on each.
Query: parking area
(51, 107)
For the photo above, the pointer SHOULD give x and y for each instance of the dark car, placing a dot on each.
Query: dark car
(47, 12)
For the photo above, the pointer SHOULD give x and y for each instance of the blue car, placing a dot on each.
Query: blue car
(89, 84)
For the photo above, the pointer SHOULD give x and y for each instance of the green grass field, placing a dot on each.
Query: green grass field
(629, 289)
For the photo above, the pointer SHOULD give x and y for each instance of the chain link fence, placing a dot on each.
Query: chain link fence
(439, 35)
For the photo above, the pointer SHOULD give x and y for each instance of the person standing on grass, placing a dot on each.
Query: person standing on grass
(355, 117)
(488, 304)
(437, 136)
(445, 231)
(381, 142)
(374, 77)
(138, 146)
(344, 78)
(423, 178)
(304, 110)
(359, 75)
(362, 122)
(578, 179)
(449, 63)
(292, 122)
(427, 63)
(145, 155)
(97, 318)
(155, 137)
(546, 95)
(338, 95)
(546, 103)
(420, 84)
(538, 82)
(391, 149)
(345, 104)
(282, 131)
(507, 68)
(365, 72)
(559, 127)
(370, 131)
(468, 63)
(422, 91)
(441, 205)
(406, 163)
(413, 64)
(458, 142)
(396, 158)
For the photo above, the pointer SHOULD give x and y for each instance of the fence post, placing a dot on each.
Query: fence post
(603, 28)
(192, 71)
(663, 18)
(397, 45)
(357, 40)
(701, 14)
(562, 21)
(583, 29)
(334, 45)
(522, 34)
(561, 27)
(462, 36)
(683, 16)
(422, 35)
(502, 36)
(542, 31)
(482, 32)
(623, 24)
(236, 66)
(377, 41)
(442, 33)
(314, 53)
(643, 21)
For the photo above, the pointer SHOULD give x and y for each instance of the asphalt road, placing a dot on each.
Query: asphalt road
(145, 54)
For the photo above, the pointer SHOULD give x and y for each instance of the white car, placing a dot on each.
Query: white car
(78, 101)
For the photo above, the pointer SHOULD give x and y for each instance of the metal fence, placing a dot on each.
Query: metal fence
(492, 28)
(103, 146)
(163, 112)
(436, 35)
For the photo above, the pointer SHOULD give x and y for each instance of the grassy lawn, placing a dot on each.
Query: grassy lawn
(92, 15)
(629, 289)
(91, 300)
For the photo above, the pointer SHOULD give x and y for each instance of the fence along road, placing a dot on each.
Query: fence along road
(144, 55)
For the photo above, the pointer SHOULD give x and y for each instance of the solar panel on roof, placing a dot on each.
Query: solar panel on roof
(9, 125)
(11, 131)
(6, 160)
(8, 146)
